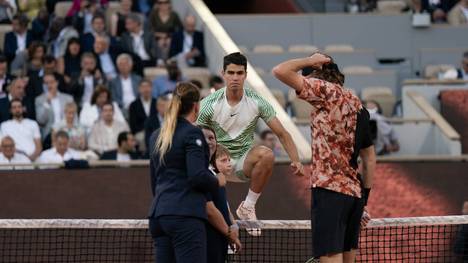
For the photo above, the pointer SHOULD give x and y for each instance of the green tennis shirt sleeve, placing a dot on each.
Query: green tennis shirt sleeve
(266, 111)
(204, 116)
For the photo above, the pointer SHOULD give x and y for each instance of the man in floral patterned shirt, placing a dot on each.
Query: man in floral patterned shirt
(340, 133)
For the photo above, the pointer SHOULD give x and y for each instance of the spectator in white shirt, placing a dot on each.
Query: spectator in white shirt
(124, 88)
(104, 133)
(91, 110)
(60, 152)
(8, 155)
(25, 132)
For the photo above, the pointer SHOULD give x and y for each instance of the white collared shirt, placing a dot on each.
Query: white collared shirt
(88, 89)
(127, 91)
(123, 157)
(18, 158)
(146, 106)
(52, 156)
(139, 46)
(21, 39)
(55, 103)
(23, 132)
(188, 42)
(107, 65)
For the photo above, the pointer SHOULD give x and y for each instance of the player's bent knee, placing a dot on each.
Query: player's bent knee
(264, 154)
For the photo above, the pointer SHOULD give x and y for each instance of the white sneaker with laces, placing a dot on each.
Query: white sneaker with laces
(248, 214)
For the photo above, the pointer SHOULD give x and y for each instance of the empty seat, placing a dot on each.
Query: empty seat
(279, 95)
(357, 70)
(390, 6)
(3, 30)
(153, 72)
(339, 48)
(268, 49)
(61, 8)
(383, 96)
(201, 74)
(434, 71)
(301, 109)
(112, 9)
(303, 48)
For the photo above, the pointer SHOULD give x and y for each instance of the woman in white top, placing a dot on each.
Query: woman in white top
(90, 111)
(70, 125)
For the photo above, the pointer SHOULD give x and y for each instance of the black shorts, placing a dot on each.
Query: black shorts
(336, 220)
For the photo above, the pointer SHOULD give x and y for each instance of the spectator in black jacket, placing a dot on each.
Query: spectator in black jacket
(154, 122)
(16, 90)
(18, 40)
(140, 110)
(5, 77)
(188, 45)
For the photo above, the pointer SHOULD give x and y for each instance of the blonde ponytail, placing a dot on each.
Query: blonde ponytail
(184, 96)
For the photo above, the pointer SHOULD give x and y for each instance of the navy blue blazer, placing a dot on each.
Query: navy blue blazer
(180, 184)
(11, 45)
(177, 45)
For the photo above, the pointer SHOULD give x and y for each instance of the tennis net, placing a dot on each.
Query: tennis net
(423, 239)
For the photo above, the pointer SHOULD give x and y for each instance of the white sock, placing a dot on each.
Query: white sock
(251, 199)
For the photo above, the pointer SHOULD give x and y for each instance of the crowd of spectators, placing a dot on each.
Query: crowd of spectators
(454, 12)
(73, 87)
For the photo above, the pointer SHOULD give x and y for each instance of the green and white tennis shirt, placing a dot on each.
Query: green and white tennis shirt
(235, 126)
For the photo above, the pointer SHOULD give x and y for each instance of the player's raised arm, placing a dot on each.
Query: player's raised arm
(287, 71)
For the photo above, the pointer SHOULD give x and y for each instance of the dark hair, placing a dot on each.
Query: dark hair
(98, 16)
(15, 100)
(122, 138)
(205, 127)
(73, 40)
(215, 80)
(97, 91)
(61, 134)
(465, 55)
(49, 59)
(3, 59)
(235, 58)
(23, 20)
(197, 83)
(264, 134)
(49, 74)
(34, 46)
(329, 72)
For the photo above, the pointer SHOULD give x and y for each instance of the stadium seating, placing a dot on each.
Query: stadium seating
(268, 49)
(383, 96)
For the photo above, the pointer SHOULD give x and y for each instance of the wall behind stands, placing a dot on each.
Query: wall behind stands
(436, 188)
(392, 36)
